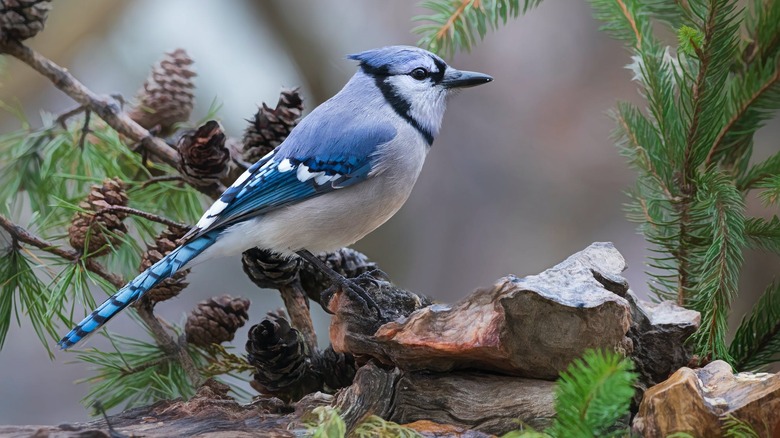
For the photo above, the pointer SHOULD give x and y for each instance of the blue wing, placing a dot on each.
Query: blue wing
(315, 159)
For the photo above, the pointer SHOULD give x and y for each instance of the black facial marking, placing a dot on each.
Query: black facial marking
(438, 75)
(401, 106)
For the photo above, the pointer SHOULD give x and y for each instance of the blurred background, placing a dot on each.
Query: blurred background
(523, 175)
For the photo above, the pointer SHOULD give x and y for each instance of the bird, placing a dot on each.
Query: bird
(343, 171)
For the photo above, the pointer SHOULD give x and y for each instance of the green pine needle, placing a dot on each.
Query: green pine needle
(22, 293)
(720, 208)
(757, 340)
(733, 427)
(763, 234)
(135, 374)
(593, 394)
(454, 25)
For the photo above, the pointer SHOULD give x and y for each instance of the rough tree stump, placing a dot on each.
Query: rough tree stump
(530, 327)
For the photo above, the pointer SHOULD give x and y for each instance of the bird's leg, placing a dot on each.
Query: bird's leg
(348, 286)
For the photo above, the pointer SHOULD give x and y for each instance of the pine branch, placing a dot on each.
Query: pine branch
(135, 373)
(24, 236)
(770, 193)
(745, 109)
(713, 56)
(454, 24)
(769, 167)
(161, 336)
(623, 19)
(140, 213)
(720, 201)
(757, 340)
(106, 107)
(765, 36)
(763, 234)
(592, 394)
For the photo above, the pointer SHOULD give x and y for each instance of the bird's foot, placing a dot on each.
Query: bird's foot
(355, 292)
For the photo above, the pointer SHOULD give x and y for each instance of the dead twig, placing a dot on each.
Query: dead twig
(140, 213)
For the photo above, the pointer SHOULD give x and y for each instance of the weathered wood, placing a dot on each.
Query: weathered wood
(484, 402)
(532, 327)
(697, 401)
(659, 332)
(210, 413)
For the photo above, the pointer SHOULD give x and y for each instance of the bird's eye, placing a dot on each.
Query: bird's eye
(419, 73)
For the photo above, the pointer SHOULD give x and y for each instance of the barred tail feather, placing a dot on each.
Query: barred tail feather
(146, 280)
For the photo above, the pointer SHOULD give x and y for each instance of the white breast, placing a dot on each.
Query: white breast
(338, 218)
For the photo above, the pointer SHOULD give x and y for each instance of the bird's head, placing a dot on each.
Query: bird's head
(416, 83)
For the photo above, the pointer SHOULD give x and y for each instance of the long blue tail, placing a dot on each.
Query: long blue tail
(136, 288)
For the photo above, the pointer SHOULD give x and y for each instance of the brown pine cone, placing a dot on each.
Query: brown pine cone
(269, 270)
(163, 244)
(104, 230)
(337, 369)
(281, 360)
(167, 96)
(346, 261)
(216, 320)
(22, 19)
(204, 157)
(270, 127)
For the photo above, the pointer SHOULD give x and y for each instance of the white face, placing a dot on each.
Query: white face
(426, 98)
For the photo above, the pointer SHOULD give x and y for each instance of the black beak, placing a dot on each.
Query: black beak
(464, 79)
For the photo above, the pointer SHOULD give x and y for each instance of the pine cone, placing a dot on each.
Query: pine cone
(163, 244)
(103, 229)
(271, 126)
(337, 369)
(269, 270)
(204, 157)
(166, 97)
(346, 261)
(216, 320)
(22, 19)
(281, 359)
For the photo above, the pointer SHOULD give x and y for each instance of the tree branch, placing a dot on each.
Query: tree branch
(106, 107)
(161, 336)
(140, 213)
(24, 236)
(632, 22)
(168, 343)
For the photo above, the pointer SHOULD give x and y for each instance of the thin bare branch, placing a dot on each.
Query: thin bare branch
(21, 235)
(104, 106)
(108, 108)
(140, 213)
(163, 178)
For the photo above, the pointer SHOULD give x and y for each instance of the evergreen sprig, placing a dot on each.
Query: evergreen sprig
(134, 374)
(592, 395)
(456, 24)
(757, 340)
(22, 293)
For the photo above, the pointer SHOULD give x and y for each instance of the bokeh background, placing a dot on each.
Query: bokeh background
(523, 175)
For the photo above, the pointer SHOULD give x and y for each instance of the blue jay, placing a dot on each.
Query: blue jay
(341, 173)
